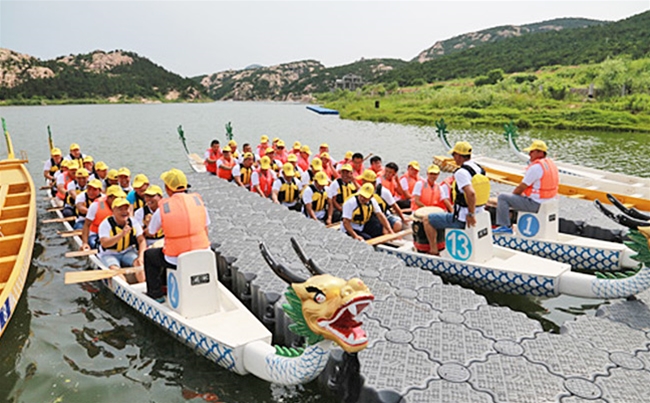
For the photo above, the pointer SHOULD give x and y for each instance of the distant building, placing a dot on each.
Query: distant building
(349, 82)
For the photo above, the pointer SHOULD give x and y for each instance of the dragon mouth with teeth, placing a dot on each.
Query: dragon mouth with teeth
(345, 327)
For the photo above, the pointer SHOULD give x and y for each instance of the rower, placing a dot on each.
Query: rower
(357, 166)
(362, 216)
(303, 157)
(429, 193)
(233, 149)
(89, 164)
(74, 186)
(324, 153)
(152, 196)
(391, 182)
(377, 167)
(315, 199)
(225, 164)
(121, 240)
(539, 185)
(263, 145)
(75, 155)
(295, 150)
(328, 166)
(276, 165)
(68, 174)
(243, 171)
(111, 179)
(286, 189)
(346, 160)
(52, 165)
(340, 191)
(385, 201)
(124, 179)
(262, 178)
(316, 165)
(246, 148)
(101, 171)
(85, 199)
(211, 156)
(409, 179)
(136, 196)
(281, 152)
(184, 221)
(97, 212)
(293, 159)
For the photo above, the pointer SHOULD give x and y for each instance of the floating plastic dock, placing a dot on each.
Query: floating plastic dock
(429, 342)
(322, 111)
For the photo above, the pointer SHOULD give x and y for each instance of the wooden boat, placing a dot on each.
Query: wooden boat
(471, 259)
(195, 161)
(204, 315)
(17, 230)
(583, 172)
(631, 195)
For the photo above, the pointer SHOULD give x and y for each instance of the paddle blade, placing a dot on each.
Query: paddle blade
(388, 237)
(80, 253)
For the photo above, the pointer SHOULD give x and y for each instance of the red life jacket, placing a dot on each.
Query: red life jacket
(266, 182)
(103, 211)
(549, 183)
(224, 170)
(212, 166)
(430, 196)
(183, 219)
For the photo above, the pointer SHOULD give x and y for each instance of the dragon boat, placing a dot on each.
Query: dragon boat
(204, 315)
(576, 170)
(471, 259)
(578, 187)
(17, 230)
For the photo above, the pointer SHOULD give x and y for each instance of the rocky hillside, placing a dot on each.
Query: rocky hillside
(116, 76)
(295, 81)
(491, 35)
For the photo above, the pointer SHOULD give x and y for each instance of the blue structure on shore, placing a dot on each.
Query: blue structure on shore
(322, 111)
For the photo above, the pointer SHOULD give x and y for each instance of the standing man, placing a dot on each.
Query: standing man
(539, 185)
(468, 201)
(184, 221)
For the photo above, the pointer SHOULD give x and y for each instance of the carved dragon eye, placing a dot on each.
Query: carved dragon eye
(319, 297)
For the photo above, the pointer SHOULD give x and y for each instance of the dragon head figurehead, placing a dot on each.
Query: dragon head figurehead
(330, 306)
(323, 306)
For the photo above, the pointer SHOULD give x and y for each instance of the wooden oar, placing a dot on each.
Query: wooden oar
(73, 277)
(80, 253)
(53, 220)
(333, 225)
(56, 208)
(388, 237)
(44, 187)
(69, 234)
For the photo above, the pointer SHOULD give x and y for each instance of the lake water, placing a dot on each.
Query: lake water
(79, 343)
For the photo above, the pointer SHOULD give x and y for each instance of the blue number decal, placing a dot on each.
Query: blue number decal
(458, 245)
(528, 225)
(172, 289)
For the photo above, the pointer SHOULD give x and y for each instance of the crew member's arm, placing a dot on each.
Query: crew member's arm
(108, 241)
(470, 197)
(404, 185)
(85, 231)
(520, 189)
(347, 224)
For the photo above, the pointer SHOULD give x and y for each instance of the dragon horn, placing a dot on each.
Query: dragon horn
(632, 212)
(309, 263)
(281, 270)
(620, 218)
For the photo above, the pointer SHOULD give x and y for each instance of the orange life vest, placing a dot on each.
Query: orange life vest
(67, 179)
(103, 211)
(390, 185)
(430, 196)
(212, 166)
(183, 218)
(224, 170)
(549, 182)
(266, 182)
(411, 181)
(261, 149)
(303, 163)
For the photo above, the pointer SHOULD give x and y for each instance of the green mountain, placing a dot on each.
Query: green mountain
(116, 76)
(496, 34)
(289, 81)
(530, 52)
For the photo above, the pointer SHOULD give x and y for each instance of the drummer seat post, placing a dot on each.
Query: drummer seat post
(472, 244)
(192, 288)
(541, 225)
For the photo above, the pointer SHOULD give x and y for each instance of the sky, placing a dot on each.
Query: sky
(203, 37)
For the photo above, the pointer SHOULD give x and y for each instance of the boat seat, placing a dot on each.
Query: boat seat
(541, 225)
(472, 244)
(192, 289)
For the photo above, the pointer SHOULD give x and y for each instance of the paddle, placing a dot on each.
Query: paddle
(73, 277)
(56, 208)
(80, 253)
(70, 234)
(368, 156)
(49, 137)
(388, 237)
(53, 220)
(333, 225)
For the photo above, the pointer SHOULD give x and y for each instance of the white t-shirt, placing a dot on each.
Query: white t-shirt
(387, 196)
(105, 232)
(349, 207)
(464, 178)
(307, 199)
(277, 184)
